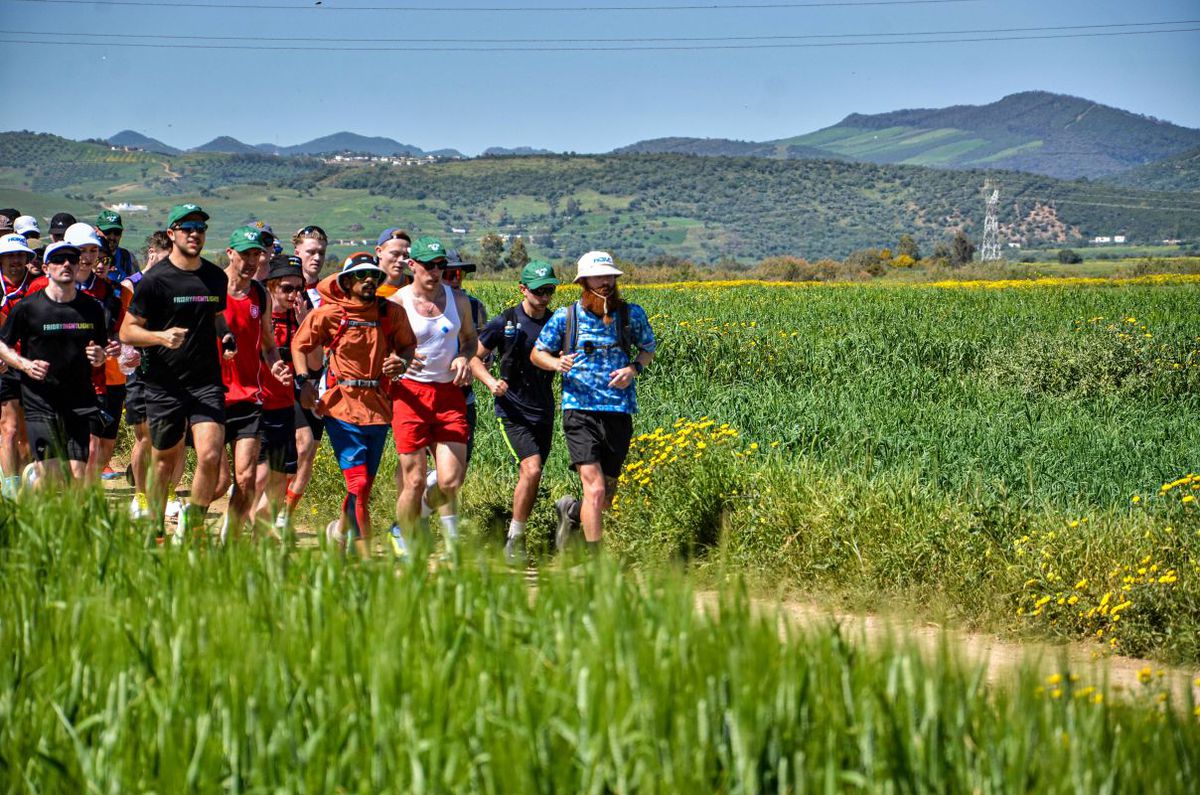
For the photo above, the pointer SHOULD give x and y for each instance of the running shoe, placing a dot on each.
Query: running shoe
(139, 507)
(399, 548)
(566, 525)
(30, 475)
(181, 529)
(514, 551)
(110, 474)
(174, 508)
(334, 535)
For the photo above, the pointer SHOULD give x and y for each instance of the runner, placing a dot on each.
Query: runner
(392, 251)
(61, 336)
(177, 314)
(523, 392)
(121, 264)
(310, 244)
(158, 246)
(110, 383)
(591, 343)
(8, 220)
(15, 284)
(359, 334)
(27, 227)
(281, 416)
(452, 275)
(428, 409)
(248, 316)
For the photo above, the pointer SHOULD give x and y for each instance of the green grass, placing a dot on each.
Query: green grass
(253, 670)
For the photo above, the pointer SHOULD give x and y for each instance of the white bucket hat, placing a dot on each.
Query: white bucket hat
(82, 234)
(13, 243)
(596, 263)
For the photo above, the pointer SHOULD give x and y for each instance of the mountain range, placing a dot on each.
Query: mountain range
(1034, 131)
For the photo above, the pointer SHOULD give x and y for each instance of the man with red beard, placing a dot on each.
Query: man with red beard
(248, 316)
(600, 344)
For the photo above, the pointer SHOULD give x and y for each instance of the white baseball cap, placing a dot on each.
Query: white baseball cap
(597, 263)
(53, 248)
(13, 243)
(82, 234)
(25, 225)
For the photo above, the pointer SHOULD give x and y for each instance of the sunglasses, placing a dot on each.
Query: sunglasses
(311, 229)
(362, 276)
(288, 289)
(63, 259)
(438, 264)
(192, 226)
(543, 292)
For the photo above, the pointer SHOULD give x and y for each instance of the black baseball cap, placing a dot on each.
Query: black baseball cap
(60, 222)
(8, 217)
(455, 260)
(282, 266)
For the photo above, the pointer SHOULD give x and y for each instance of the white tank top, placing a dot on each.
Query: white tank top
(437, 338)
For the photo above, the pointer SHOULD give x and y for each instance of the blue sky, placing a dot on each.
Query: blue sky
(574, 99)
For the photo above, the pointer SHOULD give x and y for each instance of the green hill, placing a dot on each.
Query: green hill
(1036, 131)
(641, 206)
(1179, 173)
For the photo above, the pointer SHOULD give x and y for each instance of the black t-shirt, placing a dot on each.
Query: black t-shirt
(168, 297)
(57, 333)
(530, 393)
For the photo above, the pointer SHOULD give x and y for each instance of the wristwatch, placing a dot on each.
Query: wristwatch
(638, 366)
(300, 379)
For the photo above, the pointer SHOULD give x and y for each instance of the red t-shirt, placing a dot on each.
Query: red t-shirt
(241, 373)
(275, 394)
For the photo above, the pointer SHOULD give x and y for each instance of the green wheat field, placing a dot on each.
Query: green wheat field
(1014, 458)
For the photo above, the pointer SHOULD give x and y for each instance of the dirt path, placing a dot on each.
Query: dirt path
(1002, 659)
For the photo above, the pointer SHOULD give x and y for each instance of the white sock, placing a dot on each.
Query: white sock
(516, 529)
(450, 525)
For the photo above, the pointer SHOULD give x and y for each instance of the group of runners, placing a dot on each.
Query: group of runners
(252, 365)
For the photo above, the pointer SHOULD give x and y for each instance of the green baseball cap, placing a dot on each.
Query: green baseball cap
(427, 249)
(109, 220)
(245, 238)
(180, 211)
(538, 274)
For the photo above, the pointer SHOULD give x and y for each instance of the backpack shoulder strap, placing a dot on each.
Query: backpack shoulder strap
(625, 331)
(571, 332)
(258, 294)
(506, 350)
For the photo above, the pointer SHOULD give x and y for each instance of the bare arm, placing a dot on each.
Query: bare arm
(134, 332)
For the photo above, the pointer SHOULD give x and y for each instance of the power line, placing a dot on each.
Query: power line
(504, 9)
(523, 49)
(184, 37)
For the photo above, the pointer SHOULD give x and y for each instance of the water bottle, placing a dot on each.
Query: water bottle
(510, 331)
(128, 360)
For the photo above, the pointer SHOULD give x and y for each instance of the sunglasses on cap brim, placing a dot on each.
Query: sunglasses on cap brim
(311, 229)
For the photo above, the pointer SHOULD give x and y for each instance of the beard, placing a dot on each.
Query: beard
(603, 305)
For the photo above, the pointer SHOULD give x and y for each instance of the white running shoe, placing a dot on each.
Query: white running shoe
(30, 475)
(174, 507)
(281, 520)
(139, 507)
(180, 534)
(334, 534)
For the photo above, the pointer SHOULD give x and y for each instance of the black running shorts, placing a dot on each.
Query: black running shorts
(65, 435)
(135, 401)
(169, 411)
(598, 437)
(106, 422)
(525, 439)
(242, 420)
(10, 386)
(277, 430)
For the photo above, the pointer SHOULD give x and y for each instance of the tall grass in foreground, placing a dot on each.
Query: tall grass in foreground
(254, 670)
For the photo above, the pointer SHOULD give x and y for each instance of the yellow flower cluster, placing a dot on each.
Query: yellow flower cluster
(1092, 608)
(946, 284)
(1183, 487)
(687, 440)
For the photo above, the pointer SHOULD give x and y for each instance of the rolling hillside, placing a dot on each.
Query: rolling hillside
(1179, 173)
(643, 206)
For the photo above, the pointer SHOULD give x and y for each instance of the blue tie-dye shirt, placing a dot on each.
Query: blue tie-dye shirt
(586, 387)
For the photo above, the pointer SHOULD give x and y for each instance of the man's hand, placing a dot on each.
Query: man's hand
(228, 347)
(113, 349)
(498, 388)
(38, 369)
(282, 373)
(172, 338)
(417, 364)
(308, 395)
(620, 379)
(460, 368)
(565, 363)
(96, 354)
(395, 365)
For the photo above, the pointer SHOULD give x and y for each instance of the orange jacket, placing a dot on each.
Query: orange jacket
(356, 339)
